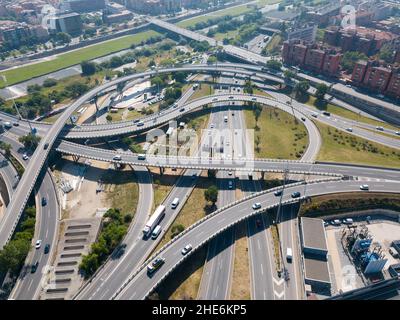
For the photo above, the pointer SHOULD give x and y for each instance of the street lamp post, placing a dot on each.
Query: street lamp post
(15, 105)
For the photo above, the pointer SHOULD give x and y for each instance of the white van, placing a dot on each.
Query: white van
(175, 203)
(156, 232)
(141, 156)
(289, 254)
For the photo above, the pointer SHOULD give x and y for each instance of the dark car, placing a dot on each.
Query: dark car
(44, 201)
(47, 249)
(34, 267)
(46, 146)
(278, 193)
(296, 194)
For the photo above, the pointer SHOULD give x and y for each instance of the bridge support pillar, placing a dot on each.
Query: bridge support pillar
(162, 171)
(262, 175)
(75, 158)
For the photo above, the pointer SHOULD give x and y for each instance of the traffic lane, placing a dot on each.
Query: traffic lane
(9, 174)
(104, 288)
(260, 258)
(229, 164)
(31, 284)
(139, 287)
(358, 128)
(288, 235)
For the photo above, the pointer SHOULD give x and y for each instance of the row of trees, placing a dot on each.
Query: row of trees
(13, 254)
(113, 230)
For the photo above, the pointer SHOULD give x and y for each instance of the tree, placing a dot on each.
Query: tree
(212, 60)
(89, 264)
(12, 256)
(88, 68)
(49, 82)
(274, 65)
(257, 109)
(30, 141)
(350, 58)
(301, 88)
(76, 89)
(63, 38)
(322, 89)
(179, 76)
(211, 194)
(288, 75)
(248, 87)
(386, 53)
(6, 147)
(109, 118)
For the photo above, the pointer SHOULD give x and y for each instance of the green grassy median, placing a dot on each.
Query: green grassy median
(74, 57)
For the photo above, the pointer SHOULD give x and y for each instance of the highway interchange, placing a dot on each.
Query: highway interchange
(114, 275)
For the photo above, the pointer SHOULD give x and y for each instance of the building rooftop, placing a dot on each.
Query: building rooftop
(313, 233)
(316, 270)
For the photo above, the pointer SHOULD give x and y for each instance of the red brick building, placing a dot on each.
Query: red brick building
(359, 71)
(312, 57)
(377, 78)
(393, 87)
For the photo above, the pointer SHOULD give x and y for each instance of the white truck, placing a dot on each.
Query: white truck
(289, 254)
(154, 220)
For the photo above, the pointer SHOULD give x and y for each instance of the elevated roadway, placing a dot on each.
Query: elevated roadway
(140, 284)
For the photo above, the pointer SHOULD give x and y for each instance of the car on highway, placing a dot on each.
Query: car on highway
(156, 232)
(140, 124)
(348, 221)
(303, 119)
(230, 97)
(278, 193)
(349, 129)
(34, 267)
(25, 156)
(47, 248)
(136, 121)
(181, 109)
(379, 128)
(215, 99)
(296, 194)
(253, 99)
(398, 133)
(186, 249)
(117, 157)
(38, 244)
(229, 172)
(7, 125)
(364, 187)
(44, 201)
(336, 222)
(256, 206)
(175, 203)
(141, 156)
(46, 145)
(212, 125)
(326, 113)
(155, 265)
(15, 124)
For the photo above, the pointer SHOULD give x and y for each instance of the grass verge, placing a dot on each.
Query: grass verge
(241, 269)
(279, 135)
(339, 146)
(74, 57)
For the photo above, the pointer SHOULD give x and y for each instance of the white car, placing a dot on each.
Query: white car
(379, 128)
(230, 184)
(364, 187)
(256, 206)
(25, 156)
(38, 244)
(117, 157)
(230, 173)
(186, 249)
